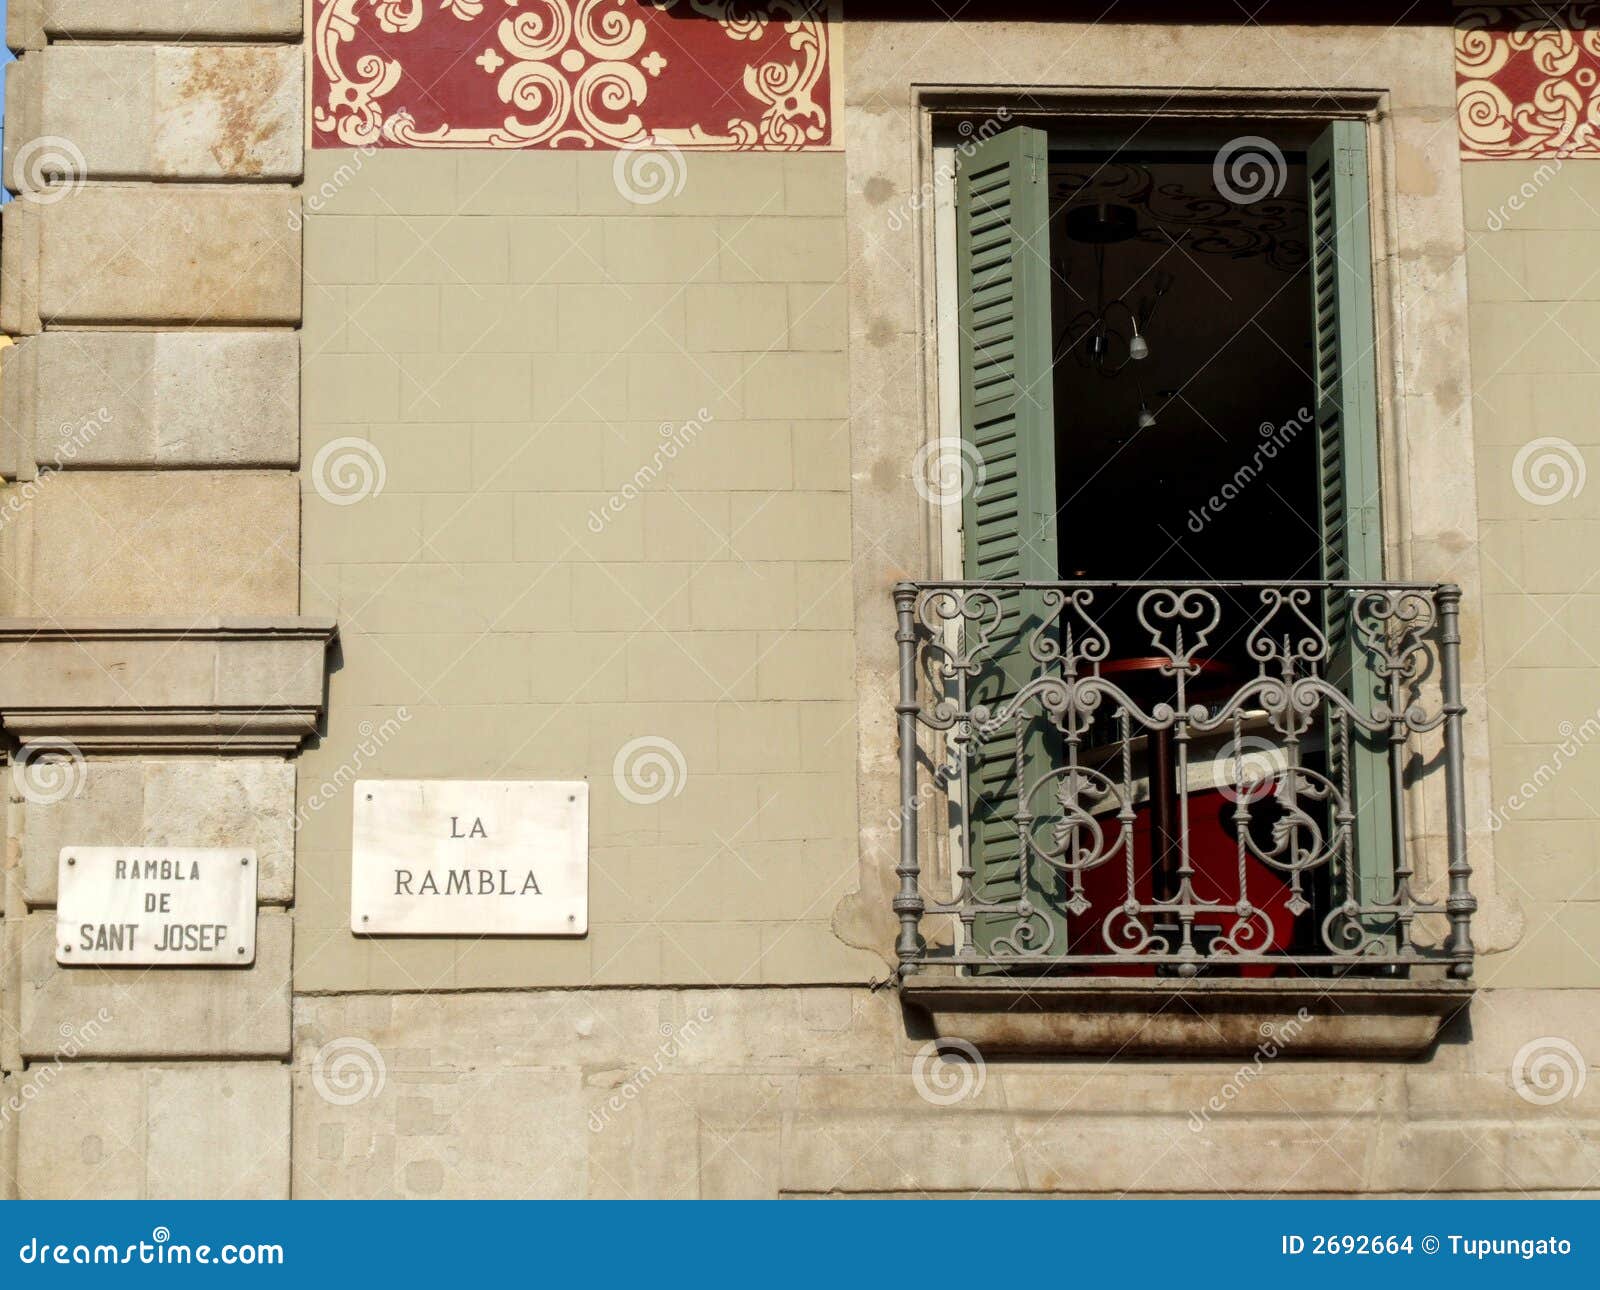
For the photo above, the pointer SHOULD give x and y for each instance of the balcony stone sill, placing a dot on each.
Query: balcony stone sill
(1175, 1017)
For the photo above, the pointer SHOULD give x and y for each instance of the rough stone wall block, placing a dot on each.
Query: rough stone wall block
(23, 92)
(212, 544)
(157, 1133)
(190, 802)
(8, 1139)
(10, 976)
(163, 254)
(131, 418)
(141, 399)
(25, 24)
(32, 22)
(156, 112)
(215, 1013)
(18, 364)
(19, 269)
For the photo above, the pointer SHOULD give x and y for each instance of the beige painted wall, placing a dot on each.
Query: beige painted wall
(510, 335)
(1533, 237)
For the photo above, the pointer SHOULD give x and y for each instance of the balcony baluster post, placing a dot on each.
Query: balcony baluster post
(908, 900)
(1400, 880)
(1460, 904)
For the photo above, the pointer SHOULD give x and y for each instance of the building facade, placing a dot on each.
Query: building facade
(1047, 551)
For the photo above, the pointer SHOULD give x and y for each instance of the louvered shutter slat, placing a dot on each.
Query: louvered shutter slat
(1008, 521)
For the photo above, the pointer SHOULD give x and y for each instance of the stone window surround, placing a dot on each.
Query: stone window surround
(1430, 529)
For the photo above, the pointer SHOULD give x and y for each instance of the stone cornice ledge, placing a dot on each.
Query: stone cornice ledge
(147, 685)
(1196, 1017)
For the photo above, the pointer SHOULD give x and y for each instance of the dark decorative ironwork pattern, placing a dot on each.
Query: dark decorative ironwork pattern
(1273, 228)
(1229, 694)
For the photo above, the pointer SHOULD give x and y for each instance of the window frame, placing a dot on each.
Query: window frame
(1087, 122)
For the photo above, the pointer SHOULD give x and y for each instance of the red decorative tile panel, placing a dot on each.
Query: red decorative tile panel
(1528, 81)
(708, 74)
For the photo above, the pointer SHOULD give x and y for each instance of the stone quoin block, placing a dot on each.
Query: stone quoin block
(141, 399)
(32, 22)
(190, 802)
(191, 1132)
(210, 543)
(152, 254)
(154, 112)
(198, 1012)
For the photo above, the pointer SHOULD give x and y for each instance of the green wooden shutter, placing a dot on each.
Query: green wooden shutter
(1009, 518)
(1348, 464)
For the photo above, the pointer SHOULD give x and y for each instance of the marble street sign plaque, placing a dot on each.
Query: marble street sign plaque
(443, 857)
(156, 906)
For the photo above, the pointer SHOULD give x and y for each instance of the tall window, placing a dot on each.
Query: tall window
(1164, 378)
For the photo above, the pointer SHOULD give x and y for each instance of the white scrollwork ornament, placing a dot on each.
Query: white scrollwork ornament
(1496, 45)
(398, 16)
(579, 73)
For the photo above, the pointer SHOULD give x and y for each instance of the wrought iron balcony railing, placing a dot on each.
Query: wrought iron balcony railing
(1218, 778)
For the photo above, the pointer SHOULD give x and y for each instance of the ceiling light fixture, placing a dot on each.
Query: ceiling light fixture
(1112, 333)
